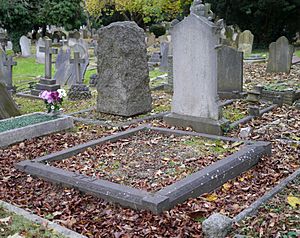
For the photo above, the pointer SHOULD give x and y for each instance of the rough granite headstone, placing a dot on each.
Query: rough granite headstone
(280, 56)
(25, 44)
(8, 108)
(245, 42)
(40, 56)
(195, 99)
(123, 88)
(230, 70)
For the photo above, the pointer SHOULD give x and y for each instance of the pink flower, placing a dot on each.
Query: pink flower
(45, 95)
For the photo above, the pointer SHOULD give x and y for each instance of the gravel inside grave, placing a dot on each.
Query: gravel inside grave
(24, 121)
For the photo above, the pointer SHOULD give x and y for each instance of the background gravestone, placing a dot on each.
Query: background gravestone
(230, 71)
(65, 72)
(8, 108)
(164, 52)
(25, 44)
(280, 56)
(4, 73)
(245, 42)
(123, 88)
(40, 56)
(195, 100)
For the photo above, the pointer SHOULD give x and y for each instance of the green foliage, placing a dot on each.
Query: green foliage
(267, 19)
(22, 16)
(158, 30)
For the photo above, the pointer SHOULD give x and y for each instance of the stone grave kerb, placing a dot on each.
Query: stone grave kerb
(195, 99)
(9, 64)
(48, 50)
(77, 61)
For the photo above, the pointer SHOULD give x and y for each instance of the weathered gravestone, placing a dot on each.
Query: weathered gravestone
(9, 46)
(123, 87)
(164, 52)
(154, 59)
(78, 91)
(245, 42)
(3, 38)
(230, 72)
(65, 71)
(8, 108)
(4, 74)
(280, 56)
(25, 44)
(40, 56)
(46, 83)
(9, 63)
(195, 99)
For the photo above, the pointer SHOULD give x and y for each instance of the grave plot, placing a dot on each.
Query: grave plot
(161, 104)
(29, 126)
(273, 85)
(114, 169)
(277, 218)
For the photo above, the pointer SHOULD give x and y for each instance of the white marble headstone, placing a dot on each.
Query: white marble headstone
(25, 44)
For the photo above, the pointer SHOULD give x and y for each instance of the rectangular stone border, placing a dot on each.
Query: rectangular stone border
(40, 129)
(250, 117)
(203, 181)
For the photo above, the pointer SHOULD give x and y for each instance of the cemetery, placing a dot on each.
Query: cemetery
(180, 123)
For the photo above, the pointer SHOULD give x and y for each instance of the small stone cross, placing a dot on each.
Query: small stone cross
(9, 63)
(63, 41)
(48, 57)
(77, 61)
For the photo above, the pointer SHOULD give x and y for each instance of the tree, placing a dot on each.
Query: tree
(22, 16)
(140, 11)
(267, 19)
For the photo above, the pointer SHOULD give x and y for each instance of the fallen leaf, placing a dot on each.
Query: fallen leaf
(211, 197)
(293, 201)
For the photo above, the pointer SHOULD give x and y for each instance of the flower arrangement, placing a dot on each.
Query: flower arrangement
(53, 100)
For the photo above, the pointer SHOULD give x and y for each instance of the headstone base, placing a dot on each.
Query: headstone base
(79, 92)
(45, 84)
(203, 125)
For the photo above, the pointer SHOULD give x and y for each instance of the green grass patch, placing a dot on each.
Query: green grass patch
(28, 105)
(218, 147)
(233, 114)
(88, 74)
(11, 224)
(297, 53)
(155, 73)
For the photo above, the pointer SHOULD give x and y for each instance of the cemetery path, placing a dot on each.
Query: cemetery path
(96, 218)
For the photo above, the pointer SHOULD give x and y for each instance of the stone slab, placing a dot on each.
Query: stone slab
(198, 124)
(28, 132)
(193, 185)
(8, 107)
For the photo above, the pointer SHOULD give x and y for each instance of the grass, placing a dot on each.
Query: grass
(26, 70)
(233, 114)
(12, 224)
(28, 105)
(297, 53)
(155, 73)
